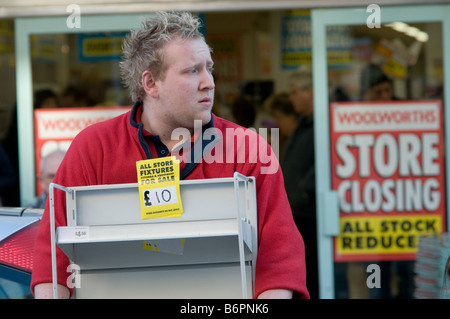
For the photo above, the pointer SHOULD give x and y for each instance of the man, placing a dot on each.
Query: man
(298, 156)
(297, 163)
(49, 165)
(45, 99)
(167, 66)
(286, 119)
(376, 85)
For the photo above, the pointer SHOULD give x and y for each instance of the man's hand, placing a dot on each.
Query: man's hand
(45, 291)
(276, 294)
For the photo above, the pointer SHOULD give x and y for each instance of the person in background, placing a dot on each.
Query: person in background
(45, 99)
(73, 97)
(376, 85)
(286, 119)
(298, 165)
(48, 167)
(11, 146)
(396, 276)
(7, 175)
(244, 111)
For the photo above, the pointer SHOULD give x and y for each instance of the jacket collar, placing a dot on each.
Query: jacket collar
(196, 156)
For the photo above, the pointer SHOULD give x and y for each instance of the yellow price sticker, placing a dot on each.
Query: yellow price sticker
(159, 187)
(172, 246)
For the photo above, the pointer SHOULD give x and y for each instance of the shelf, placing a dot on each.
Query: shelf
(108, 233)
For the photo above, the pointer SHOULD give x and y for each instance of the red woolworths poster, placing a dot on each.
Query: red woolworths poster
(55, 128)
(387, 165)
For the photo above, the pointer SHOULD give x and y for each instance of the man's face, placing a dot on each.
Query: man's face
(52, 163)
(381, 92)
(186, 90)
(301, 99)
(284, 121)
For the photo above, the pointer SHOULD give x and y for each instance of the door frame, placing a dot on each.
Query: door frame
(327, 201)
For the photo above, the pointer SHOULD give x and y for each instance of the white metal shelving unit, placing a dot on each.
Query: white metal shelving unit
(105, 234)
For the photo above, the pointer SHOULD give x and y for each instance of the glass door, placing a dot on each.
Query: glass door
(380, 142)
(69, 55)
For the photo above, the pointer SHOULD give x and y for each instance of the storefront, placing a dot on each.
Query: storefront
(380, 166)
(381, 163)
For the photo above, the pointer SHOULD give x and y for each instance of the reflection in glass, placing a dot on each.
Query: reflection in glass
(79, 69)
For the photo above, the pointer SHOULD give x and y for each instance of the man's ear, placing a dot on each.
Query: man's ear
(149, 84)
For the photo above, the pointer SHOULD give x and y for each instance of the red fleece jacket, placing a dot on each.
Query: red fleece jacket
(106, 153)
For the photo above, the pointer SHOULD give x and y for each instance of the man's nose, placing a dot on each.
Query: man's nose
(207, 81)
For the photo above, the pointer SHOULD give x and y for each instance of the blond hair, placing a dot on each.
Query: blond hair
(143, 49)
(302, 78)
